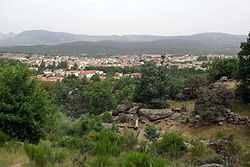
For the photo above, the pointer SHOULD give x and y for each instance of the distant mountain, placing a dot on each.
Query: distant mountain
(40, 41)
(6, 36)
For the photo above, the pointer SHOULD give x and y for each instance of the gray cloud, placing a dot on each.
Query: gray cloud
(106, 17)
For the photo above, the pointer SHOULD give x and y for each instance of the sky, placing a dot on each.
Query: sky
(120, 17)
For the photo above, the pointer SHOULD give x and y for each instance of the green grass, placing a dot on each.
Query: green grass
(12, 157)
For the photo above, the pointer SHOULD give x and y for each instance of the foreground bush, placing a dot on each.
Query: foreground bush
(42, 154)
(142, 159)
(24, 106)
(199, 154)
(171, 145)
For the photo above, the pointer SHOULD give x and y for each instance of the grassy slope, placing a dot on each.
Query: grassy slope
(9, 158)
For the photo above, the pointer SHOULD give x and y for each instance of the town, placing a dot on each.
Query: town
(57, 67)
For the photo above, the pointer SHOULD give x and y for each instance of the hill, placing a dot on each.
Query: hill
(39, 41)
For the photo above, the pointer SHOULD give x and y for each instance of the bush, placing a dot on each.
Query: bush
(102, 161)
(87, 123)
(131, 138)
(194, 82)
(199, 154)
(151, 133)
(210, 104)
(69, 142)
(107, 117)
(105, 147)
(3, 138)
(142, 159)
(172, 144)
(24, 106)
(198, 148)
(42, 154)
(234, 152)
(208, 157)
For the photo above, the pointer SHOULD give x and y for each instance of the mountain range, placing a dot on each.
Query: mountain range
(41, 41)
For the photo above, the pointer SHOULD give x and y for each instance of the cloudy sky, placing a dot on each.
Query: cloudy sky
(108, 17)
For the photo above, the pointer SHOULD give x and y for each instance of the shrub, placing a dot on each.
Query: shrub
(107, 117)
(142, 159)
(42, 154)
(172, 144)
(86, 145)
(151, 133)
(199, 154)
(69, 142)
(194, 82)
(210, 104)
(137, 159)
(206, 156)
(220, 135)
(105, 147)
(198, 148)
(234, 152)
(102, 161)
(24, 106)
(87, 123)
(131, 138)
(3, 138)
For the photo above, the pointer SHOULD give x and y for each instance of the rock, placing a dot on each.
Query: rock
(223, 79)
(176, 109)
(175, 116)
(126, 118)
(220, 123)
(133, 110)
(220, 119)
(184, 109)
(137, 147)
(122, 126)
(155, 114)
(134, 122)
(188, 145)
(218, 146)
(143, 121)
(122, 108)
(107, 125)
(197, 117)
(212, 165)
(157, 122)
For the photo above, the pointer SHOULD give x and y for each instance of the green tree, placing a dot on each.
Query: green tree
(152, 89)
(151, 133)
(23, 106)
(95, 78)
(244, 70)
(223, 67)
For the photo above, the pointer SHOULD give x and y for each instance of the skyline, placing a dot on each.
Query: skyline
(119, 17)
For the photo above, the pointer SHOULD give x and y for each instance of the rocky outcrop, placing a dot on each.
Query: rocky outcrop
(107, 125)
(155, 114)
(218, 146)
(217, 85)
(233, 118)
(224, 79)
